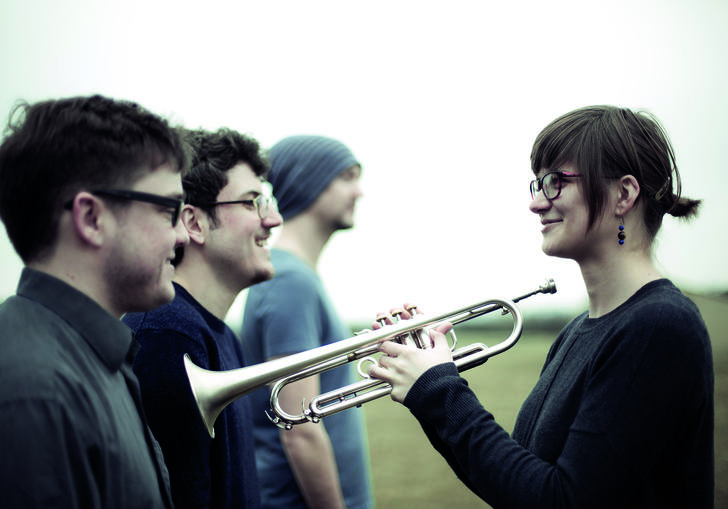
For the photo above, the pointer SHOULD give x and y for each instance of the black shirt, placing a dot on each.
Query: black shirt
(71, 433)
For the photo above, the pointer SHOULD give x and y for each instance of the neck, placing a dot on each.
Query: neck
(609, 283)
(304, 237)
(81, 272)
(215, 292)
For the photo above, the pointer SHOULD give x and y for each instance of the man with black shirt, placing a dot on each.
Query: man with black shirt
(91, 195)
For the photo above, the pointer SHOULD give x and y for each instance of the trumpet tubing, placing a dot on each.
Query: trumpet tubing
(214, 390)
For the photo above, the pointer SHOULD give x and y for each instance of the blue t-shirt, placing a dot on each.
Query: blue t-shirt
(204, 472)
(289, 314)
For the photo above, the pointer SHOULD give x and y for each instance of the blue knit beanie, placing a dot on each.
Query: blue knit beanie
(301, 167)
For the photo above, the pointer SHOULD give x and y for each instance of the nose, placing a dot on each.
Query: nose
(273, 218)
(358, 192)
(539, 203)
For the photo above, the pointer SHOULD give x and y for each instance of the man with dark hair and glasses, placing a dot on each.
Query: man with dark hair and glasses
(229, 219)
(90, 194)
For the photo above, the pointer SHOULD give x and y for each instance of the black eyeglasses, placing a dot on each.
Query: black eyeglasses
(163, 201)
(551, 184)
(263, 204)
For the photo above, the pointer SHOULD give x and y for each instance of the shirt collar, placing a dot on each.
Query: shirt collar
(107, 336)
(212, 321)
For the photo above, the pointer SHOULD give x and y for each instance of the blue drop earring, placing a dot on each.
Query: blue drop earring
(621, 235)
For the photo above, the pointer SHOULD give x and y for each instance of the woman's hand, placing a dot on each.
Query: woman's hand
(401, 365)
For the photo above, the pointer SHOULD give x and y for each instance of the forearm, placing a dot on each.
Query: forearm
(480, 451)
(312, 462)
(589, 473)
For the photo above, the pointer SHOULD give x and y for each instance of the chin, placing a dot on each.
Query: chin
(165, 295)
(152, 301)
(261, 276)
(344, 225)
(549, 248)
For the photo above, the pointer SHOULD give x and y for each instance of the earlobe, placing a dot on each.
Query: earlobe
(195, 223)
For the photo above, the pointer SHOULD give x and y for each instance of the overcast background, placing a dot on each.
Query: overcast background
(440, 101)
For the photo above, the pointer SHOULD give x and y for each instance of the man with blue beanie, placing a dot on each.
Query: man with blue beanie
(315, 180)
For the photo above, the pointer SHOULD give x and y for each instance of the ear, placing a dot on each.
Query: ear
(628, 189)
(90, 218)
(196, 223)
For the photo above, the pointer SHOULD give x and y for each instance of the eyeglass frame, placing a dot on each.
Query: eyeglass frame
(255, 202)
(163, 201)
(538, 183)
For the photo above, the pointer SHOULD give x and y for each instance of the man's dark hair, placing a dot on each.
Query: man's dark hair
(213, 155)
(56, 148)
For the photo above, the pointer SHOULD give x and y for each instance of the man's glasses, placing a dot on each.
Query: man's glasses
(163, 201)
(551, 184)
(263, 204)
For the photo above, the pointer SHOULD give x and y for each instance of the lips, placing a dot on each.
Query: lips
(547, 223)
(550, 221)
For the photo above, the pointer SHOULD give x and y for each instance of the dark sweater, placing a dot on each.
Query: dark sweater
(204, 472)
(621, 416)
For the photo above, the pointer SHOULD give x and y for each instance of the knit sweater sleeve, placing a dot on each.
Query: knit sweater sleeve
(477, 448)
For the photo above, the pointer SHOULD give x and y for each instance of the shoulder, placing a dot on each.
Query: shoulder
(658, 329)
(46, 363)
(168, 332)
(37, 344)
(291, 288)
(661, 306)
(178, 315)
(289, 269)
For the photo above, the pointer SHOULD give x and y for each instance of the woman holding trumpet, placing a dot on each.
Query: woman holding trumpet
(622, 414)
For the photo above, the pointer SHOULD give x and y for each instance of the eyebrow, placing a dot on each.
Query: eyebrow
(251, 192)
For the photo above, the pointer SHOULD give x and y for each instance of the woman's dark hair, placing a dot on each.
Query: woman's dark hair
(54, 149)
(607, 142)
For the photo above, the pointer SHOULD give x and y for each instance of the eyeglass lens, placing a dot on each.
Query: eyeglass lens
(263, 205)
(550, 184)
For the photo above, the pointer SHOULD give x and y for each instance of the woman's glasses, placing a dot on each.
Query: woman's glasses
(551, 184)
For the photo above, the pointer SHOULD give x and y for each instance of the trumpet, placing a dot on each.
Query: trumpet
(214, 390)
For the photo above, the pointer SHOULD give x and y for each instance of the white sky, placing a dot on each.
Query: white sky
(440, 101)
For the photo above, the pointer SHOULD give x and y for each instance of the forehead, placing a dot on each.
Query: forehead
(351, 172)
(164, 180)
(241, 181)
(568, 168)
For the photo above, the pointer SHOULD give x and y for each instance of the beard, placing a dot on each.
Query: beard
(261, 275)
(134, 289)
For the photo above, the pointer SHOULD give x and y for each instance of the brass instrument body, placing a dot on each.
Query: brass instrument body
(214, 390)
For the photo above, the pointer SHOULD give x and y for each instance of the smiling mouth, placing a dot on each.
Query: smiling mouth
(548, 223)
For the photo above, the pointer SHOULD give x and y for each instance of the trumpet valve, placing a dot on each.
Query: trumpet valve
(412, 309)
(397, 315)
(381, 319)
